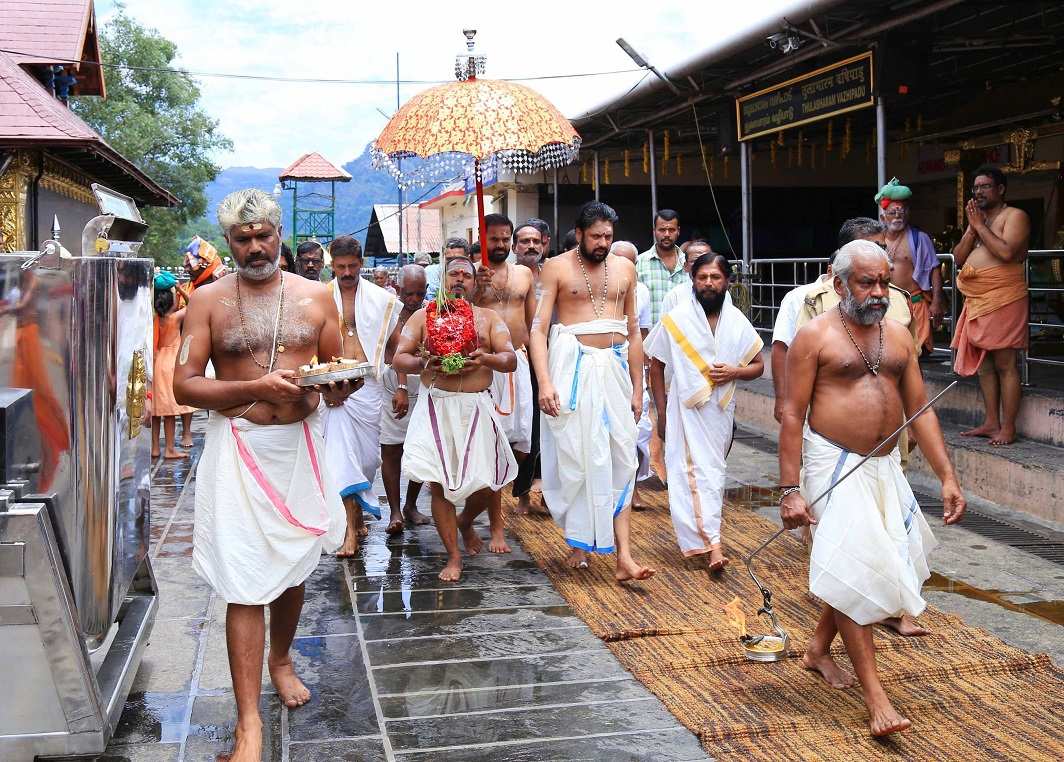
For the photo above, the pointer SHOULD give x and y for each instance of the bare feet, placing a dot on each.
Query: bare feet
(290, 689)
(717, 560)
(350, 546)
(363, 529)
(452, 572)
(885, 720)
(415, 517)
(833, 674)
(395, 526)
(247, 744)
(154, 454)
(986, 430)
(497, 543)
(174, 454)
(1005, 436)
(187, 442)
(577, 559)
(905, 625)
(524, 505)
(629, 570)
(471, 540)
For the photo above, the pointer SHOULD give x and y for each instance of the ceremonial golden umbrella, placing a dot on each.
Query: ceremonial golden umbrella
(470, 127)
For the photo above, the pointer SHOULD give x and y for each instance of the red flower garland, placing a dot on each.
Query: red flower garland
(450, 331)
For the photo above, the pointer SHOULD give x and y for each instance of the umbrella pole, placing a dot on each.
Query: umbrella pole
(480, 214)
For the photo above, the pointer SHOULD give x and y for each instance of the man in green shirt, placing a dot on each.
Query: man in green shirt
(661, 267)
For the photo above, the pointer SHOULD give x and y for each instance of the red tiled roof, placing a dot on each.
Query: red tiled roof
(45, 30)
(313, 166)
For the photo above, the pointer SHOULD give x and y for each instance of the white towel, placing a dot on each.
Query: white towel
(512, 393)
(353, 444)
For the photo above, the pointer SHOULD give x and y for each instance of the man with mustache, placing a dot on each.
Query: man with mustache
(992, 327)
(914, 265)
(661, 267)
(455, 444)
(591, 392)
(870, 540)
(508, 290)
(310, 260)
(367, 316)
(700, 349)
(264, 511)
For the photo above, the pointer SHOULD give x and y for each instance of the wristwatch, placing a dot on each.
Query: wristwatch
(400, 386)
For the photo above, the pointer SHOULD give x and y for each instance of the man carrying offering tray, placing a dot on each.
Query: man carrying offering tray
(455, 442)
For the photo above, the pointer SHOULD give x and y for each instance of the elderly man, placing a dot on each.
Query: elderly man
(700, 349)
(310, 260)
(992, 328)
(455, 443)
(264, 510)
(383, 279)
(913, 262)
(591, 392)
(661, 267)
(455, 247)
(528, 249)
(367, 315)
(680, 292)
(403, 393)
(509, 291)
(870, 540)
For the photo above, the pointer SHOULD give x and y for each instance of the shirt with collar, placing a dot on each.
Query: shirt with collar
(658, 278)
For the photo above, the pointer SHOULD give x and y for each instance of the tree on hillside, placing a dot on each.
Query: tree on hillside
(153, 117)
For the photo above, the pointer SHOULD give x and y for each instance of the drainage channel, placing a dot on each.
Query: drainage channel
(1041, 542)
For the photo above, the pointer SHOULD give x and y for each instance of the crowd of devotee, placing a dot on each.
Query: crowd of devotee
(547, 369)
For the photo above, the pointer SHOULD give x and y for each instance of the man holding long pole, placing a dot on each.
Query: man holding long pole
(870, 540)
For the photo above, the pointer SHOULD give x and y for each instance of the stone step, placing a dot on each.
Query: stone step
(1027, 476)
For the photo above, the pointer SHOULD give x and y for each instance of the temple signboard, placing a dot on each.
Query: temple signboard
(829, 91)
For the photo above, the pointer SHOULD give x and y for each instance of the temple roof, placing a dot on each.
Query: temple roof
(43, 32)
(313, 166)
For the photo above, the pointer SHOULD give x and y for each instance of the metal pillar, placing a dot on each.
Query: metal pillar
(881, 143)
(746, 202)
(653, 179)
(556, 233)
(595, 179)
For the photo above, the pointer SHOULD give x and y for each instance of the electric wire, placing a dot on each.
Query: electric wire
(709, 180)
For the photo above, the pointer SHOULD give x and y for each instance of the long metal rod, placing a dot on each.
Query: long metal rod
(750, 558)
(746, 198)
(556, 233)
(881, 143)
(400, 252)
(595, 179)
(653, 179)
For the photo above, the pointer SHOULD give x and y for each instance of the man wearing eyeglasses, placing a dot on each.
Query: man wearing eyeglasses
(914, 265)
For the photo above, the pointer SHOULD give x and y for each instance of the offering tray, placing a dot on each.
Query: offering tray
(323, 373)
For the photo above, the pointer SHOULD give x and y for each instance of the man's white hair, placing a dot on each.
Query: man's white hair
(248, 206)
(410, 272)
(842, 268)
(626, 246)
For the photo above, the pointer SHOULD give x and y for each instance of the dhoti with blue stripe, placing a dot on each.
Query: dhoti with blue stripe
(353, 445)
(588, 451)
(871, 541)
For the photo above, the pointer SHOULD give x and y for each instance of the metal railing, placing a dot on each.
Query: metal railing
(770, 279)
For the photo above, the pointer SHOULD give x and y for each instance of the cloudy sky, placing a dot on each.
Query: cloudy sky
(272, 123)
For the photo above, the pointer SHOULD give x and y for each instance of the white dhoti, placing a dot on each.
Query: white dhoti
(699, 413)
(352, 445)
(512, 393)
(455, 440)
(588, 451)
(393, 429)
(871, 541)
(265, 507)
(644, 432)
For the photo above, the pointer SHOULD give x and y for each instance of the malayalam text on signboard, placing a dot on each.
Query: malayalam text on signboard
(832, 90)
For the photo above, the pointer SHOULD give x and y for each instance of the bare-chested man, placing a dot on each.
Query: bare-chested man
(870, 539)
(395, 419)
(455, 443)
(992, 327)
(591, 392)
(509, 290)
(264, 509)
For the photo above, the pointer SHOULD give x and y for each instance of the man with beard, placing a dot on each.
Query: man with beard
(591, 392)
(310, 260)
(914, 264)
(508, 290)
(367, 315)
(528, 249)
(264, 511)
(403, 390)
(681, 292)
(661, 267)
(870, 540)
(700, 349)
(992, 327)
(455, 443)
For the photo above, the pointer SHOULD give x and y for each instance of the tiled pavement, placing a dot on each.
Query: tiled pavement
(497, 667)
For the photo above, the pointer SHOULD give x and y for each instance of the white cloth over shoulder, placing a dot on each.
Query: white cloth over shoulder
(588, 451)
(512, 393)
(353, 444)
(871, 541)
(697, 436)
(393, 430)
(456, 441)
(265, 507)
(786, 326)
(376, 315)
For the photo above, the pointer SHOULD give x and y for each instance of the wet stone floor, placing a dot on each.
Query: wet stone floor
(400, 666)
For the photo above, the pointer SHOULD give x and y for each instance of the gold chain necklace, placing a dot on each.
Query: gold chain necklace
(872, 367)
(275, 347)
(605, 284)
